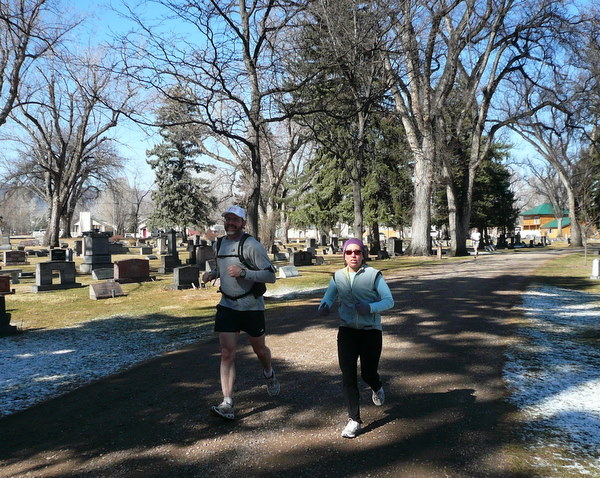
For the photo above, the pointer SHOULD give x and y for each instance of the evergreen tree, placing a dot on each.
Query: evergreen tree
(182, 198)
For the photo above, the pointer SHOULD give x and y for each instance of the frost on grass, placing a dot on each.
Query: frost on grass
(42, 364)
(554, 378)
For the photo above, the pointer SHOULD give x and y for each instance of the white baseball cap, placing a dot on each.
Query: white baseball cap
(238, 211)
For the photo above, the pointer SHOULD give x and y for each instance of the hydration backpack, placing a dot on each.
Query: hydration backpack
(258, 288)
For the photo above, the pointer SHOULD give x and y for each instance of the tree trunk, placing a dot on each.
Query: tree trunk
(421, 218)
(576, 236)
(53, 230)
(375, 244)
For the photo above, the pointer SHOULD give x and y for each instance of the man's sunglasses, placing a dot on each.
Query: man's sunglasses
(357, 252)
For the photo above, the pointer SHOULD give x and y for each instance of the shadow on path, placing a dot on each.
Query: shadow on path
(445, 413)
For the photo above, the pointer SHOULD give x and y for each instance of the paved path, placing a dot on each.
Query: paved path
(444, 414)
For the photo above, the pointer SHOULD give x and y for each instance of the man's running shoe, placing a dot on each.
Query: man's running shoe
(352, 429)
(273, 386)
(224, 410)
(378, 397)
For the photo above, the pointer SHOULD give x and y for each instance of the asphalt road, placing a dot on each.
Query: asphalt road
(444, 416)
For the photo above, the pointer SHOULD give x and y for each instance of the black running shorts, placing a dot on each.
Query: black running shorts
(250, 321)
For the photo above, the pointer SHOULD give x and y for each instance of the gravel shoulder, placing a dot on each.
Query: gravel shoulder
(445, 412)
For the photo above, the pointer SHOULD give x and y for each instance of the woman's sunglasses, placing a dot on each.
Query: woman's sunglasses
(357, 252)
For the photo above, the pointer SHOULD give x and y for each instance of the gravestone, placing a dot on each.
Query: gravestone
(132, 270)
(106, 290)
(280, 256)
(117, 248)
(58, 255)
(335, 243)
(186, 277)
(595, 269)
(288, 271)
(202, 254)
(319, 260)
(5, 327)
(43, 276)
(168, 263)
(312, 251)
(301, 258)
(394, 247)
(323, 240)
(104, 273)
(5, 244)
(171, 260)
(161, 244)
(42, 253)
(78, 245)
(13, 273)
(145, 250)
(14, 258)
(312, 243)
(96, 252)
(383, 255)
(172, 244)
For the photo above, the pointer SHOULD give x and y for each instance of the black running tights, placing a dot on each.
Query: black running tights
(352, 345)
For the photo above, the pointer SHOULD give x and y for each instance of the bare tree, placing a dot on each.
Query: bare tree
(231, 62)
(460, 47)
(29, 31)
(64, 125)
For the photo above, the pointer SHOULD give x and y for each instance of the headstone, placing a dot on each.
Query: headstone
(13, 258)
(5, 244)
(5, 286)
(383, 255)
(13, 273)
(42, 253)
(58, 255)
(186, 277)
(319, 260)
(274, 249)
(78, 245)
(20, 248)
(96, 252)
(394, 246)
(312, 243)
(5, 327)
(145, 250)
(312, 251)
(132, 270)
(201, 254)
(43, 276)
(103, 274)
(172, 244)
(117, 248)
(335, 243)
(106, 290)
(168, 264)
(288, 271)
(161, 244)
(301, 258)
(595, 269)
(280, 256)
(323, 240)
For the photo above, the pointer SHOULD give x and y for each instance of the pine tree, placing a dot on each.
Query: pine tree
(182, 198)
